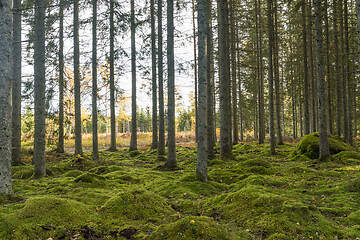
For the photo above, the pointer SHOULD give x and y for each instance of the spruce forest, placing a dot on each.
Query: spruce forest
(186, 119)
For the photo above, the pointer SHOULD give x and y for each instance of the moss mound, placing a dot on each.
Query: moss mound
(309, 145)
(73, 173)
(137, 205)
(191, 228)
(89, 178)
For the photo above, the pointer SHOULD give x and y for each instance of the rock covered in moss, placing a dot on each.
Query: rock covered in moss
(137, 205)
(309, 145)
(191, 228)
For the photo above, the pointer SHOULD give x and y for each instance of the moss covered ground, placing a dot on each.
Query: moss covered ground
(128, 196)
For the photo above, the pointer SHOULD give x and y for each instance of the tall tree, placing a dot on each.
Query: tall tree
(39, 89)
(195, 73)
(154, 143)
(133, 140)
(235, 129)
(224, 81)
(306, 78)
(210, 83)
(112, 80)
(202, 156)
(5, 95)
(324, 151)
(271, 76)
(60, 147)
(16, 85)
(171, 157)
(347, 77)
(161, 147)
(95, 153)
(77, 81)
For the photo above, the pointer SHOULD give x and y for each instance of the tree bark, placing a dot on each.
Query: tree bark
(195, 74)
(39, 90)
(112, 80)
(224, 81)
(154, 142)
(161, 147)
(324, 151)
(306, 79)
(348, 83)
(6, 60)
(235, 129)
(202, 154)
(77, 81)
(16, 84)
(95, 153)
(171, 156)
(60, 147)
(133, 141)
(271, 75)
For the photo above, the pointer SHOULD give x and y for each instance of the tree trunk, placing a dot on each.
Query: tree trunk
(16, 85)
(112, 80)
(77, 81)
(202, 155)
(277, 80)
(5, 96)
(306, 79)
(235, 132)
(171, 157)
(195, 74)
(39, 89)
(133, 141)
(324, 152)
(161, 147)
(224, 81)
(60, 147)
(311, 70)
(95, 153)
(210, 83)
(347, 79)
(154, 142)
(271, 75)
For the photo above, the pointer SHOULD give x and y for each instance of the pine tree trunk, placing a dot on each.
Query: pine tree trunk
(60, 147)
(210, 83)
(306, 79)
(77, 81)
(161, 147)
(171, 157)
(224, 81)
(347, 79)
(235, 129)
(261, 83)
(112, 80)
(95, 152)
(195, 73)
(271, 75)
(16, 84)
(277, 80)
(6, 39)
(202, 155)
(133, 140)
(154, 142)
(324, 152)
(39, 89)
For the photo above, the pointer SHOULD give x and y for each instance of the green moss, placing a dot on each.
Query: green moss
(309, 145)
(355, 217)
(134, 153)
(122, 177)
(137, 205)
(191, 228)
(89, 178)
(105, 169)
(256, 162)
(73, 173)
(347, 154)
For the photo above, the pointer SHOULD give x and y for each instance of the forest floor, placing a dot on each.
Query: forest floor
(126, 195)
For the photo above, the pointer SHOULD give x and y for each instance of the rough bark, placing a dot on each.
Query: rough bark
(16, 85)
(5, 96)
(202, 155)
(112, 81)
(210, 83)
(60, 147)
(39, 89)
(306, 79)
(312, 80)
(133, 140)
(95, 153)
(77, 81)
(235, 129)
(154, 142)
(271, 76)
(171, 156)
(259, 72)
(347, 77)
(224, 81)
(195, 74)
(324, 152)
(161, 147)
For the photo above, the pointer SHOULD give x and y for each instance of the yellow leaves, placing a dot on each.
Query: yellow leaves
(192, 222)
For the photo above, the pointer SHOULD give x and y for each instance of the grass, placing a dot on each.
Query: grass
(127, 196)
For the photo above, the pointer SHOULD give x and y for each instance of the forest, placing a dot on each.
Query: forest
(182, 119)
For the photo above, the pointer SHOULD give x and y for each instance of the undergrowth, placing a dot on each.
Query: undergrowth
(125, 195)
